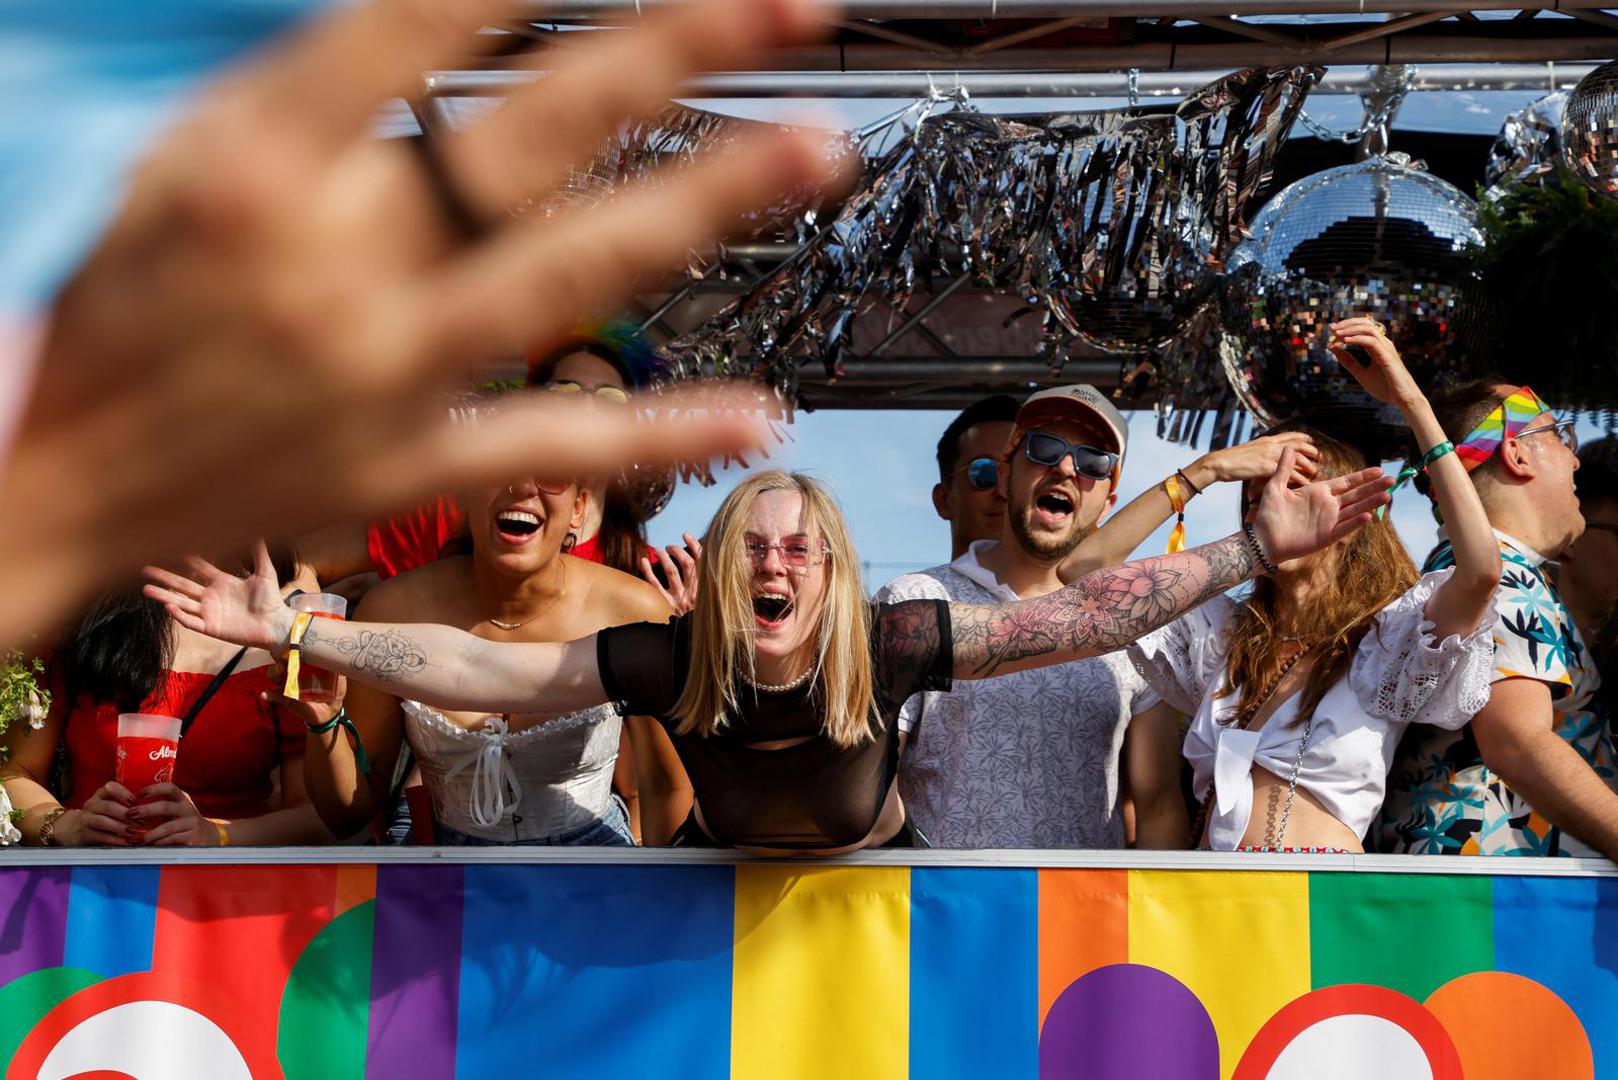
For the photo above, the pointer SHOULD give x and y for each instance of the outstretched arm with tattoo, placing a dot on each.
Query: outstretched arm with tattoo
(439, 665)
(1107, 609)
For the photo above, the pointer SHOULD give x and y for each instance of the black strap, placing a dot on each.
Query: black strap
(213, 687)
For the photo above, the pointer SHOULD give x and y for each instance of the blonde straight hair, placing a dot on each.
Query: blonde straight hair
(722, 620)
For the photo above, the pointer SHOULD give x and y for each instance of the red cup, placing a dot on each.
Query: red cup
(148, 747)
(316, 683)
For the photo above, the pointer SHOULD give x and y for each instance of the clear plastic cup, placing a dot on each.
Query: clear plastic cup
(316, 683)
(148, 747)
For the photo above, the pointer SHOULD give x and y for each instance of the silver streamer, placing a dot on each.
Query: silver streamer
(1590, 130)
(1379, 238)
(1528, 146)
(1108, 224)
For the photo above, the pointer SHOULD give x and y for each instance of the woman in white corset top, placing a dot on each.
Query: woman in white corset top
(510, 778)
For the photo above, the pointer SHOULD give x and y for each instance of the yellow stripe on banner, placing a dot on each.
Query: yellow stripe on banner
(821, 983)
(1238, 940)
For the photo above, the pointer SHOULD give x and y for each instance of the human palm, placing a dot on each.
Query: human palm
(243, 610)
(1295, 518)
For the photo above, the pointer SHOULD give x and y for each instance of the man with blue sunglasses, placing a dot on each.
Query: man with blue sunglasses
(968, 494)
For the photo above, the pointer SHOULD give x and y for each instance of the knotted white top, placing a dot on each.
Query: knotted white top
(1399, 675)
(506, 786)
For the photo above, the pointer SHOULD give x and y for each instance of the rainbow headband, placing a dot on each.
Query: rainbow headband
(1515, 413)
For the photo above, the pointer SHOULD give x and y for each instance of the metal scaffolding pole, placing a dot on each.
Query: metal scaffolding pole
(1060, 84)
(574, 10)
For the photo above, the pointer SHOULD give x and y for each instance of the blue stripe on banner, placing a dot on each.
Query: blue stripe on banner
(1558, 932)
(111, 914)
(596, 971)
(974, 973)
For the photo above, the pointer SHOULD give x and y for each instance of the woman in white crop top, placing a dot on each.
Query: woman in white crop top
(1299, 692)
(506, 778)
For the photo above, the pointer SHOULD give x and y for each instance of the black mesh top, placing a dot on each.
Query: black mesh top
(811, 795)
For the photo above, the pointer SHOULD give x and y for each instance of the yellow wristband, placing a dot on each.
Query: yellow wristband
(1171, 487)
(224, 833)
(300, 626)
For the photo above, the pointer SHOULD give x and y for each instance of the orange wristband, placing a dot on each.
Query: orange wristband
(1171, 487)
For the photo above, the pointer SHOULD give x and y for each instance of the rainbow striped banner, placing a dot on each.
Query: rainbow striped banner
(754, 969)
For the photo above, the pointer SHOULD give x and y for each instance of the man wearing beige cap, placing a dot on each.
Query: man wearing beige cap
(1033, 759)
(1028, 760)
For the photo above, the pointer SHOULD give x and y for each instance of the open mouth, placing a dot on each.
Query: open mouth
(516, 526)
(770, 610)
(1054, 505)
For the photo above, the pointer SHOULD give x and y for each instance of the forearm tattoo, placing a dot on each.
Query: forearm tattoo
(1102, 611)
(386, 656)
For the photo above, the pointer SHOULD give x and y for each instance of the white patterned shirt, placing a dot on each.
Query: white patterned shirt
(1027, 760)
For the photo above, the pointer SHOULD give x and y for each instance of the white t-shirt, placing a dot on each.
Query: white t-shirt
(1027, 760)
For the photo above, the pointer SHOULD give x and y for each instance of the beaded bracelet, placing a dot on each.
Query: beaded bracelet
(1253, 545)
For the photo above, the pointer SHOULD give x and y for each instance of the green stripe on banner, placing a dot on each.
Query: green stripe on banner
(25, 1001)
(1408, 932)
(326, 1009)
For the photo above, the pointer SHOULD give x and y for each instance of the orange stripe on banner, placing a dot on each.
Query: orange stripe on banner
(1083, 925)
(355, 885)
(236, 931)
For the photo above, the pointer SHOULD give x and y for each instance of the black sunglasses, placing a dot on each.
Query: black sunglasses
(982, 473)
(1090, 462)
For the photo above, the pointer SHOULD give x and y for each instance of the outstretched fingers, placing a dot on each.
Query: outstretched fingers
(590, 259)
(598, 81)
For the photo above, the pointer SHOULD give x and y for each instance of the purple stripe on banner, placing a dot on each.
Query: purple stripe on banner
(415, 972)
(33, 919)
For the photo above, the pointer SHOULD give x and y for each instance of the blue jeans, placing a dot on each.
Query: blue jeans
(611, 829)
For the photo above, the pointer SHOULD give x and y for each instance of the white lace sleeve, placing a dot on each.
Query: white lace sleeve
(1402, 673)
(1181, 660)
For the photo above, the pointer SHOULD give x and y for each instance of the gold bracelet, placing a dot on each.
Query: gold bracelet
(47, 827)
(224, 833)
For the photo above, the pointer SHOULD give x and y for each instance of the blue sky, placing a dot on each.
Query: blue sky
(881, 466)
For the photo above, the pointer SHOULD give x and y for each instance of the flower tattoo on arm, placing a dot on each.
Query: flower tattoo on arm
(1099, 613)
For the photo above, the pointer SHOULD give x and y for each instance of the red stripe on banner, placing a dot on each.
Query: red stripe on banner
(1083, 925)
(238, 931)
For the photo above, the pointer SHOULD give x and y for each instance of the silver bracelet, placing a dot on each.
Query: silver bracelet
(1251, 535)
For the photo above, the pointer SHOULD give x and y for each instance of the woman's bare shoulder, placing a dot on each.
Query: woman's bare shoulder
(424, 594)
(612, 598)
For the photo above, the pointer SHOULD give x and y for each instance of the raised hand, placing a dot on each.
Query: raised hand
(683, 565)
(1294, 521)
(1256, 459)
(242, 610)
(1385, 377)
(267, 334)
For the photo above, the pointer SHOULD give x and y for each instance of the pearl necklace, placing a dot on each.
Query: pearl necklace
(782, 688)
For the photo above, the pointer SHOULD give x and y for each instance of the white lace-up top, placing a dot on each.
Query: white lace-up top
(1399, 676)
(508, 786)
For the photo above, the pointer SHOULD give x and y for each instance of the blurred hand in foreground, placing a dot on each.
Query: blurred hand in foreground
(266, 335)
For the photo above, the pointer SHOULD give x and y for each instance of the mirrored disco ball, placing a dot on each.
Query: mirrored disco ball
(647, 489)
(1590, 130)
(1377, 238)
(1528, 146)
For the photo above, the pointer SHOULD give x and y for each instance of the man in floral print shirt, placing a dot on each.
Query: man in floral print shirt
(1533, 773)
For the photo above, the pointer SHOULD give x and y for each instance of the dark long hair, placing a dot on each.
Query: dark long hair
(1373, 570)
(622, 536)
(122, 646)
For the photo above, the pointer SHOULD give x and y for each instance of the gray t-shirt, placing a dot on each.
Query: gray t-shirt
(1028, 760)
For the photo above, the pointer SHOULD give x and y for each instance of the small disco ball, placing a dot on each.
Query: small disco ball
(1528, 146)
(1590, 130)
(648, 490)
(1378, 238)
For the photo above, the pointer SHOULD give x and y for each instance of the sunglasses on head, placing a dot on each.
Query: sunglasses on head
(982, 473)
(1090, 462)
(611, 394)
